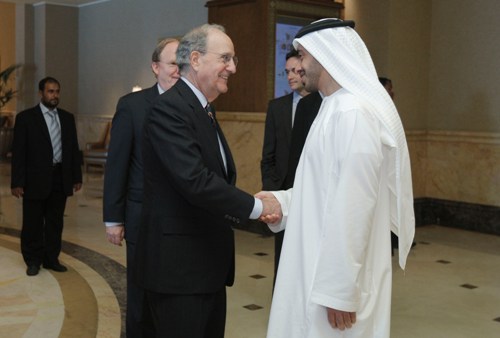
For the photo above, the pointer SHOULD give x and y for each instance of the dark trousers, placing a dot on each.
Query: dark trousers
(139, 322)
(43, 224)
(193, 316)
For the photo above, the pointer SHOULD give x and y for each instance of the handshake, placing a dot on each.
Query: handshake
(271, 207)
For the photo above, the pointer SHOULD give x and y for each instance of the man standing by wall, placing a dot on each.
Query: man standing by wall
(123, 183)
(277, 135)
(279, 122)
(46, 169)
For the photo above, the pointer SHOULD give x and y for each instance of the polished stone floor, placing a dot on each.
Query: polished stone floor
(451, 287)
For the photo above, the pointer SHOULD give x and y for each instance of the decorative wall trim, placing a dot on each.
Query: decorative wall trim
(453, 136)
(77, 5)
(461, 215)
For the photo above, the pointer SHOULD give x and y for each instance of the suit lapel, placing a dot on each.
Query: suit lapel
(287, 121)
(231, 170)
(206, 125)
(64, 129)
(40, 121)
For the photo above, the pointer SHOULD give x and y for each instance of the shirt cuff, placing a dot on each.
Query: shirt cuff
(112, 224)
(257, 209)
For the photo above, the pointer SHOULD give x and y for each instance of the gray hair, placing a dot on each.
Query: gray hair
(195, 40)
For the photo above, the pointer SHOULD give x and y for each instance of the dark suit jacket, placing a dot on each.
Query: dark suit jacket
(276, 147)
(32, 154)
(186, 243)
(123, 182)
(306, 112)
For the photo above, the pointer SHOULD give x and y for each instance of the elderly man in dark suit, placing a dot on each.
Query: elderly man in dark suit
(46, 169)
(185, 247)
(123, 183)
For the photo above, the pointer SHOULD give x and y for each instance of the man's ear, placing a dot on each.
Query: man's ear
(155, 68)
(194, 58)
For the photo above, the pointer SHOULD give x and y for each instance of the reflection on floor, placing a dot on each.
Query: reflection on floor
(451, 287)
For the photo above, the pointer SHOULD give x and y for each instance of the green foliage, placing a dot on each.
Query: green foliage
(6, 93)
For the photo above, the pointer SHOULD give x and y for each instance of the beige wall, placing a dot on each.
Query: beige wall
(464, 73)
(397, 34)
(442, 56)
(55, 50)
(43, 39)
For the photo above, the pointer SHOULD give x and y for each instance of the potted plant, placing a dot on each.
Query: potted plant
(6, 94)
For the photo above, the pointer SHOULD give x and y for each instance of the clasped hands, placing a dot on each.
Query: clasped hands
(271, 211)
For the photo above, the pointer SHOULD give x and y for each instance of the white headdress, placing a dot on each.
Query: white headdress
(340, 50)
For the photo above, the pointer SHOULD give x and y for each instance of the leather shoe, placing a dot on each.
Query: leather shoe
(56, 267)
(32, 270)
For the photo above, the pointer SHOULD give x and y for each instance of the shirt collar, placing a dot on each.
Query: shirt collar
(296, 97)
(160, 89)
(203, 100)
(45, 110)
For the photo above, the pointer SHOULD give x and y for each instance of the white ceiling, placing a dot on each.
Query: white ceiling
(75, 3)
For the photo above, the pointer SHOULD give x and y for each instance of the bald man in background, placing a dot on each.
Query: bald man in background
(123, 185)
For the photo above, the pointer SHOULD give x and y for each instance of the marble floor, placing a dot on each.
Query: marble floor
(451, 287)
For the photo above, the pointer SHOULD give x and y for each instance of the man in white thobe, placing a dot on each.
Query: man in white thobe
(353, 184)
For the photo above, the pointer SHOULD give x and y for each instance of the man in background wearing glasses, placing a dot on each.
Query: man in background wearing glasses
(123, 184)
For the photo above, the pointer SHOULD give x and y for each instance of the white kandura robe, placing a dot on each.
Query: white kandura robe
(337, 250)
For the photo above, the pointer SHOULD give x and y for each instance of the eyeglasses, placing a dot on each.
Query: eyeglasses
(170, 64)
(226, 58)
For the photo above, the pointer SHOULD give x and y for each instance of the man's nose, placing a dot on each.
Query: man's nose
(231, 66)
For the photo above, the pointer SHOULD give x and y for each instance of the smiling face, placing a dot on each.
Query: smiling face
(292, 75)
(210, 70)
(166, 69)
(309, 70)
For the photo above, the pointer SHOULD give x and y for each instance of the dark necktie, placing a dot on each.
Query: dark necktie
(210, 113)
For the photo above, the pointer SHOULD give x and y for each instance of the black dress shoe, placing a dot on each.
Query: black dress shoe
(56, 267)
(32, 270)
